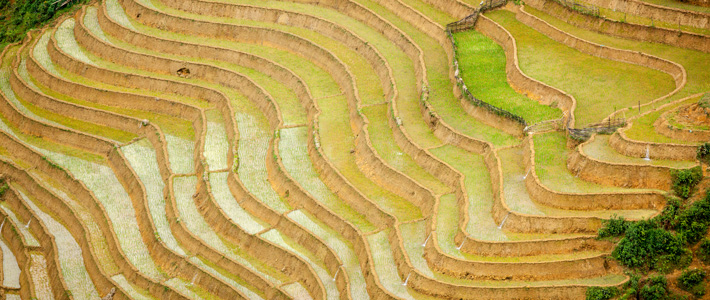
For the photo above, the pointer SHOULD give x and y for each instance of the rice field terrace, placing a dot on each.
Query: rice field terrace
(348, 149)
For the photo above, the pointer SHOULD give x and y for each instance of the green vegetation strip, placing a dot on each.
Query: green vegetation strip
(482, 63)
(599, 85)
(551, 168)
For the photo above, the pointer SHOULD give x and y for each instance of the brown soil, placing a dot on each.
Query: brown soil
(694, 115)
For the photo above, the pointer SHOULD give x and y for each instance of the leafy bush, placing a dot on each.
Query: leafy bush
(22, 15)
(3, 188)
(692, 281)
(704, 251)
(691, 278)
(685, 180)
(656, 289)
(601, 293)
(668, 217)
(692, 223)
(645, 243)
(703, 153)
(616, 226)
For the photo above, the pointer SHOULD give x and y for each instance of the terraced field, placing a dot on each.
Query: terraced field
(340, 149)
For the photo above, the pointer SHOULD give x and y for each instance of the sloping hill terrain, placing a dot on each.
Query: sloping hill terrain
(338, 149)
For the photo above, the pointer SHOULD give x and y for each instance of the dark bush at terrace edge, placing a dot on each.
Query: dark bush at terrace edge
(615, 226)
(692, 223)
(692, 281)
(3, 188)
(703, 154)
(685, 180)
(647, 246)
(704, 251)
(601, 293)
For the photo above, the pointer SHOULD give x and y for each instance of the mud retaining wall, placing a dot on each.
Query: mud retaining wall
(597, 201)
(622, 144)
(664, 127)
(618, 174)
(87, 200)
(47, 244)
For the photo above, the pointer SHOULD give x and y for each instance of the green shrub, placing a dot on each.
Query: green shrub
(692, 223)
(692, 281)
(685, 180)
(704, 251)
(631, 287)
(17, 17)
(645, 243)
(668, 217)
(656, 289)
(616, 226)
(601, 293)
(691, 278)
(3, 188)
(703, 153)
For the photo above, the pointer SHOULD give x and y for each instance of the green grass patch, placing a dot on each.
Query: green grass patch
(482, 63)
(599, 85)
